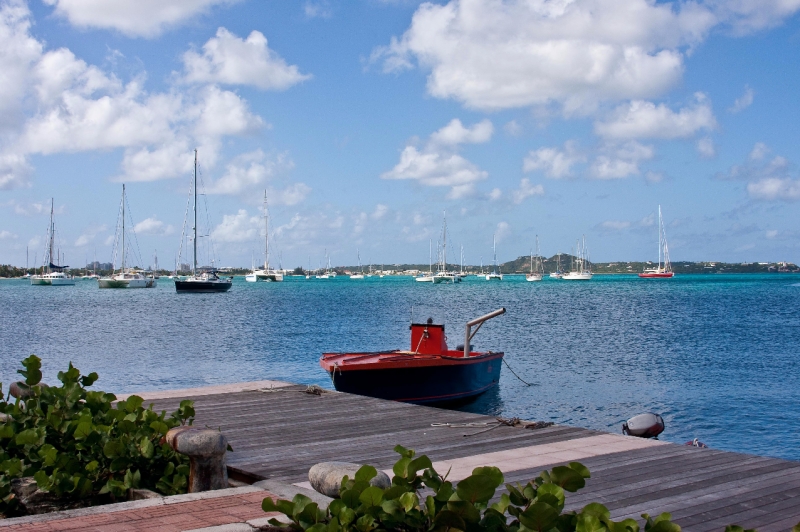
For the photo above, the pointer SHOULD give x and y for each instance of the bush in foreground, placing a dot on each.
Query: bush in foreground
(78, 445)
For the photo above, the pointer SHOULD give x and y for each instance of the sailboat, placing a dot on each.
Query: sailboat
(360, 274)
(206, 281)
(52, 274)
(265, 274)
(538, 273)
(427, 278)
(494, 276)
(581, 270)
(442, 275)
(558, 274)
(665, 271)
(328, 274)
(125, 278)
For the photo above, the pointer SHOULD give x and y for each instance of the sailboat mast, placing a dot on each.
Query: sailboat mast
(52, 235)
(430, 255)
(194, 240)
(266, 230)
(444, 241)
(660, 233)
(123, 229)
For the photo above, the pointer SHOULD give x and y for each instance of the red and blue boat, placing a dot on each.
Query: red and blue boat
(429, 372)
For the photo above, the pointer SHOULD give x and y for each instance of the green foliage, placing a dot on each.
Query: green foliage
(464, 507)
(77, 444)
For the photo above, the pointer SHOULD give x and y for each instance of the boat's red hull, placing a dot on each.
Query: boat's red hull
(665, 275)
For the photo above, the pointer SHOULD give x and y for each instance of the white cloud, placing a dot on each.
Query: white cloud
(14, 171)
(772, 233)
(88, 236)
(641, 119)
(134, 18)
(744, 101)
(153, 226)
(706, 148)
(654, 177)
(502, 231)
(621, 161)
(380, 211)
(759, 151)
(455, 133)
(499, 54)
(495, 194)
(239, 227)
(773, 188)
(555, 163)
(7, 235)
(526, 190)
(438, 164)
(229, 60)
(222, 112)
(167, 161)
(249, 171)
(506, 53)
(291, 195)
(513, 128)
(318, 9)
(615, 225)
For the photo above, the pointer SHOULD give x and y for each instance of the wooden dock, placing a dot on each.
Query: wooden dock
(279, 431)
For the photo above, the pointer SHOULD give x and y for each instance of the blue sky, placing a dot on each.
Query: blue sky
(365, 120)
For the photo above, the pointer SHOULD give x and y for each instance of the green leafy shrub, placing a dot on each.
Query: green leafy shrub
(537, 506)
(77, 444)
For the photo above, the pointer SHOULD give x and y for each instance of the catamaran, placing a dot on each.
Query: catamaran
(581, 269)
(494, 276)
(265, 274)
(661, 271)
(51, 274)
(208, 280)
(537, 273)
(125, 278)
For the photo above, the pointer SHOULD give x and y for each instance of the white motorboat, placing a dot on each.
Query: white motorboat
(125, 278)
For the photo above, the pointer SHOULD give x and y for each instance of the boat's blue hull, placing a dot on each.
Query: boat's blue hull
(426, 384)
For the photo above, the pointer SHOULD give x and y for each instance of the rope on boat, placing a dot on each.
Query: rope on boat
(515, 373)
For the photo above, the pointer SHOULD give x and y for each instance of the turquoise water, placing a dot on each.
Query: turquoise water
(716, 355)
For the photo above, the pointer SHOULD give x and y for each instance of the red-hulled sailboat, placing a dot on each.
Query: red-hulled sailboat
(428, 373)
(662, 271)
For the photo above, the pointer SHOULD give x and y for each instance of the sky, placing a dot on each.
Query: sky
(365, 121)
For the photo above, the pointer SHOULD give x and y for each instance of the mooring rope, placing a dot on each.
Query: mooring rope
(515, 373)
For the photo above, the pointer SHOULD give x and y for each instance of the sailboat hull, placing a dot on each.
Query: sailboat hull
(577, 276)
(198, 286)
(656, 275)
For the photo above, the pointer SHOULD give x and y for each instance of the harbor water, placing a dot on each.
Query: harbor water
(718, 356)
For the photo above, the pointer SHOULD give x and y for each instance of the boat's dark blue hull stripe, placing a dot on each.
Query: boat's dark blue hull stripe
(421, 384)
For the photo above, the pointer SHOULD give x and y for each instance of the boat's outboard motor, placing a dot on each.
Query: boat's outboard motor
(647, 425)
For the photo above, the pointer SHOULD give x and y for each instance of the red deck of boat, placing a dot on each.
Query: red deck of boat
(399, 359)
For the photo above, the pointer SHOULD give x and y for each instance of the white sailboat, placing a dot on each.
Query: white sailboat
(442, 275)
(266, 273)
(427, 278)
(125, 278)
(51, 274)
(495, 275)
(558, 274)
(328, 274)
(581, 269)
(360, 274)
(662, 271)
(537, 273)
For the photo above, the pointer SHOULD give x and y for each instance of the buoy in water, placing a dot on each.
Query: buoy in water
(646, 425)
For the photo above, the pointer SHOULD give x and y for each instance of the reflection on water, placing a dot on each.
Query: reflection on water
(716, 355)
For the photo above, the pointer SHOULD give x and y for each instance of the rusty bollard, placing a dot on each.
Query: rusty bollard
(206, 452)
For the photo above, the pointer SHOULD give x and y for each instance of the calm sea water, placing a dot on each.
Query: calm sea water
(715, 355)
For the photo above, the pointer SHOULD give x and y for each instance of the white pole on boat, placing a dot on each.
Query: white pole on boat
(478, 321)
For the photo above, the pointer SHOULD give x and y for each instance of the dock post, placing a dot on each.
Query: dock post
(206, 452)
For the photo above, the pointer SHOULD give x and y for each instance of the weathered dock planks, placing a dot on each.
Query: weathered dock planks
(280, 432)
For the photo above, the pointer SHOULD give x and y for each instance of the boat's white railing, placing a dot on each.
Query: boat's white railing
(478, 321)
